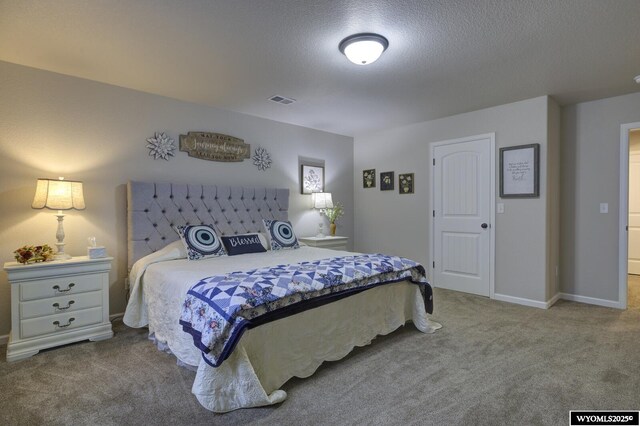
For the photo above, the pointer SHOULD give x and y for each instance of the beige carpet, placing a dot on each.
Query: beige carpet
(492, 363)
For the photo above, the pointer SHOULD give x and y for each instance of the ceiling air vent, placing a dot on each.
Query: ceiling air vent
(282, 100)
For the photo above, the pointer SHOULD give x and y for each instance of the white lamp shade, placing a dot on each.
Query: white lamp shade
(322, 200)
(58, 195)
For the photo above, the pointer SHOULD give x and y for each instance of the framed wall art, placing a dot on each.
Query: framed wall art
(520, 171)
(311, 179)
(369, 178)
(386, 181)
(405, 183)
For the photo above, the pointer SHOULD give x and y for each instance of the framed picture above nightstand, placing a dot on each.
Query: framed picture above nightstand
(333, 243)
(56, 303)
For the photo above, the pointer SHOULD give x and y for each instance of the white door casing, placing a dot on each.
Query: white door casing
(462, 200)
(623, 218)
(634, 213)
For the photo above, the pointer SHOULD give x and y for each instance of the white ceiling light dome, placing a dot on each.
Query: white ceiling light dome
(364, 48)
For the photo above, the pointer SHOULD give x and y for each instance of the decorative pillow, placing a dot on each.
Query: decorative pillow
(281, 235)
(262, 236)
(201, 241)
(243, 244)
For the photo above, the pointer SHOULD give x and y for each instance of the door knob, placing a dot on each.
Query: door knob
(484, 226)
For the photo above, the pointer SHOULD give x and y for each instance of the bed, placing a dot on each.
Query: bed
(270, 354)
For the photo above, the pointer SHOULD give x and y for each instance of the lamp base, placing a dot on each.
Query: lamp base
(61, 256)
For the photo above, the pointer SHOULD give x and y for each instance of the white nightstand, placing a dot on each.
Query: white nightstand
(334, 243)
(59, 302)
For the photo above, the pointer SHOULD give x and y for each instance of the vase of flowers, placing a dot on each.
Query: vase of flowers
(32, 254)
(333, 214)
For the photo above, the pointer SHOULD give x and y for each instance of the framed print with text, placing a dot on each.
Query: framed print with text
(520, 171)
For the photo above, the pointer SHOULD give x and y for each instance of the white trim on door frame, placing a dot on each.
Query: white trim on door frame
(623, 239)
(492, 232)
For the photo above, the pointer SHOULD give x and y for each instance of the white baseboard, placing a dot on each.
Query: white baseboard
(565, 296)
(114, 316)
(553, 300)
(592, 300)
(523, 301)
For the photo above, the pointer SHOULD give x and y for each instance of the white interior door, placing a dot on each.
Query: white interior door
(462, 211)
(634, 211)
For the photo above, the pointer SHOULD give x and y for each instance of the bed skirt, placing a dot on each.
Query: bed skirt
(268, 356)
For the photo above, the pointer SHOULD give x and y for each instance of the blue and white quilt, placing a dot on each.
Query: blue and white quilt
(218, 309)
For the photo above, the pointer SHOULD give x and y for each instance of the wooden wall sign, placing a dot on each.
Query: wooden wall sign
(214, 146)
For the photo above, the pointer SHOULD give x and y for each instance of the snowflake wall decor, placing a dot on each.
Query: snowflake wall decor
(261, 159)
(160, 146)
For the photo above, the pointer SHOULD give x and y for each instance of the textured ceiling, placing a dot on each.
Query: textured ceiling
(445, 57)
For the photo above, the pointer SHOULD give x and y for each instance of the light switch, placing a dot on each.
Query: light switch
(500, 208)
(604, 207)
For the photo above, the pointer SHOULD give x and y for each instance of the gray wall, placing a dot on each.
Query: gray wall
(53, 125)
(398, 224)
(590, 176)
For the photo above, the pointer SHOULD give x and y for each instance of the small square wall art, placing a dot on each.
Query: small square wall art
(311, 179)
(386, 181)
(405, 183)
(369, 178)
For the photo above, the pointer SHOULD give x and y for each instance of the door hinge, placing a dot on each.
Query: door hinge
(434, 161)
(434, 264)
(434, 213)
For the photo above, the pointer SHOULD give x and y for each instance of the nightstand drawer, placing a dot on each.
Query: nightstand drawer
(59, 305)
(68, 321)
(338, 245)
(59, 286)
(331, 243)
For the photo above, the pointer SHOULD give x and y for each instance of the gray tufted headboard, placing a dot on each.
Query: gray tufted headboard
(153, 209)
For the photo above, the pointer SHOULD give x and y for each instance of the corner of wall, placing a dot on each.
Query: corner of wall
(553, 199)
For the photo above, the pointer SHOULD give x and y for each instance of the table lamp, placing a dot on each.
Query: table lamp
(321, 201)
(59, 195)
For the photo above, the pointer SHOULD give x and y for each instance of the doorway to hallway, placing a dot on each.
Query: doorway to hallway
(633, 292)
(629, 219)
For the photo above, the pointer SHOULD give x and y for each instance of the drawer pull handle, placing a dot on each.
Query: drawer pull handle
(57, 288)
(57, 323)
(58, 308)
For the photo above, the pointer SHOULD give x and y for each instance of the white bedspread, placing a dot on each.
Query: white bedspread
(269, 355)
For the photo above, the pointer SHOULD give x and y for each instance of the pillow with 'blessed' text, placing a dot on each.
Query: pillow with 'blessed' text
(243, 244)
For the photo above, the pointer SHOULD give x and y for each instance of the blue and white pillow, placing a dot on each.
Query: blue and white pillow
(201, 241)
(281, 235)
(243, 244)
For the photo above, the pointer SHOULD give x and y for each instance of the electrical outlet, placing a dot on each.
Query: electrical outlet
(604, 207)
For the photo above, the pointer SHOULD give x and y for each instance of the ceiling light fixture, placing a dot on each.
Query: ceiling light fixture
(364, 48)
(637, 79)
